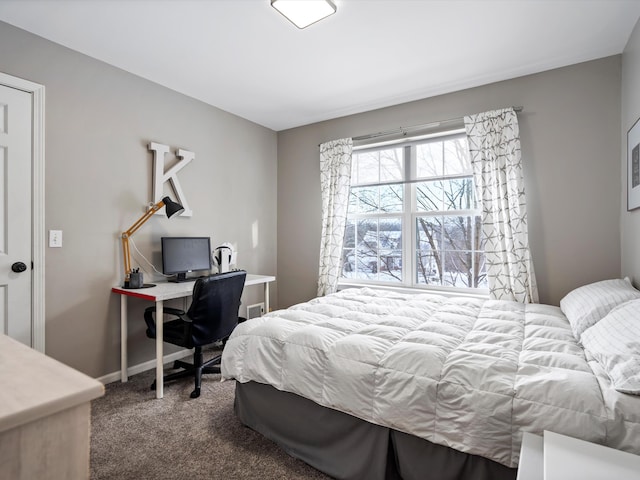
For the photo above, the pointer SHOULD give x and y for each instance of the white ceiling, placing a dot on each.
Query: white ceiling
(242, 56)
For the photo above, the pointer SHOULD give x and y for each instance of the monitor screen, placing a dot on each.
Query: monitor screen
(181, 255)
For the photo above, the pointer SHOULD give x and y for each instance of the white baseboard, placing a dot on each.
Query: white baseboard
(143, 367)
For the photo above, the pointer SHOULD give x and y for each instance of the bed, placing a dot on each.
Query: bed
(374, 384)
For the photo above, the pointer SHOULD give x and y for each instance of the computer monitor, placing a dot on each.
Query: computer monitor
(181, 255)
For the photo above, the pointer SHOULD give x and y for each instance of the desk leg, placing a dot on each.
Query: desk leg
(159, 354)
(123, 338)
(266, 297)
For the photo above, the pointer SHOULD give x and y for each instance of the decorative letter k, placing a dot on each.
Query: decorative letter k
(160, 176)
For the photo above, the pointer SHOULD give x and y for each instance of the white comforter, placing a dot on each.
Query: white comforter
(467, 373)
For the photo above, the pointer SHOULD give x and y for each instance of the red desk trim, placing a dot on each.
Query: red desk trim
(133, 293)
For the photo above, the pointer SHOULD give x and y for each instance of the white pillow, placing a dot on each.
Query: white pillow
(585, 305)
(615, 343)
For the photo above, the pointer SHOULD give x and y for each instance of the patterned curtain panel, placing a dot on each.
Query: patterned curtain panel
(494, 144)
(335, 180)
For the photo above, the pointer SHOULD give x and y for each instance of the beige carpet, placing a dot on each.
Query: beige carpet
(136, 436)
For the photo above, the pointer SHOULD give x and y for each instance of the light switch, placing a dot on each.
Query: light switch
(55, 238)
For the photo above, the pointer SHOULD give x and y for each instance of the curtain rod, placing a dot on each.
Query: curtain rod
(404, 130)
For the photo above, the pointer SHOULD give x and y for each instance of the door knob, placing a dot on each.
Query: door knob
(18, 267)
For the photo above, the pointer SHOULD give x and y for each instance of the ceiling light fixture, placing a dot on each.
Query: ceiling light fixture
(303, 13)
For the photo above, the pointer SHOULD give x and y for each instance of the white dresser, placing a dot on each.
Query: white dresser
(45, 416)
(558, 457)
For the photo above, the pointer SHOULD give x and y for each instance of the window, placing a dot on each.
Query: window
(413, 219)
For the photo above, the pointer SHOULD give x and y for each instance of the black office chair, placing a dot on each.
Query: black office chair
(212, 316)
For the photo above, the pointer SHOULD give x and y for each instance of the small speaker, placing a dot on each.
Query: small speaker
(256, 310)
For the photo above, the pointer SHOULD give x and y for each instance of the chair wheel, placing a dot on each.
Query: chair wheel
(153, 386)
(195, 393)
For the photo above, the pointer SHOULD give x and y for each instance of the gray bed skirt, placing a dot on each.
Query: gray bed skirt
(347, 448)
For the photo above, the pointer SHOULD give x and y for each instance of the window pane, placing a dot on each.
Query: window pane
(429, 196)
(378, 166)
(457, 233)
(366, 254)
(386, 198)
(392, 165)
(367, 235)
(348, 263)
(458, 194)
(427, 268)
(390, 250)
(378, 251)
(391, 198)
(458, 268)
(429, 233)
(456, 156)
(364, 200)
(445, 254)
(367, 168)
(430, 159)
(350, 234)
(428, 244)
(353, 200)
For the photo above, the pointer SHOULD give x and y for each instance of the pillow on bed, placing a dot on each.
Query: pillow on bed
(585, 305)
(615, 343)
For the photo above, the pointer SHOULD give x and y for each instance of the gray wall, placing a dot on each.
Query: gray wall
(99, 121)
(630, 221)
(570, 134)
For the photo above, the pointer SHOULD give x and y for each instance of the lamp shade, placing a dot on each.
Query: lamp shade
(172, 207)
(303, 13)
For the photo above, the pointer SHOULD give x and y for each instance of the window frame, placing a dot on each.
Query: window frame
(411, 215)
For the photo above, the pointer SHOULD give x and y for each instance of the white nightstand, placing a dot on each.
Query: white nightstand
(531, 458)
(558, 457)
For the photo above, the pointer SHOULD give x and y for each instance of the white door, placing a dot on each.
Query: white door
(15, 214)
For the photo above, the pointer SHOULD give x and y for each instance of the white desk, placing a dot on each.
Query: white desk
(158, 294)
(559, 457)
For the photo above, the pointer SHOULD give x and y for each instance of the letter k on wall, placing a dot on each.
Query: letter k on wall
(160, 176)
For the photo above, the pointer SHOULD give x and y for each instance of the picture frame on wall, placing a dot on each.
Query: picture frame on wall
(633, 167)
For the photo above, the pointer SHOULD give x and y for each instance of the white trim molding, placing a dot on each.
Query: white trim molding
(143, 367)
(37, 92)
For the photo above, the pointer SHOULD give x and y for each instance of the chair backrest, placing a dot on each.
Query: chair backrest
(214, 306)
